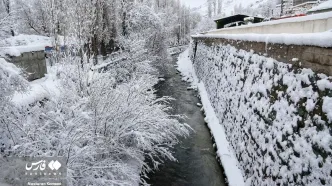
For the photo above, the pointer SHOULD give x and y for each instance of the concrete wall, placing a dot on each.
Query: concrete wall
(33, 63)
(302, 25)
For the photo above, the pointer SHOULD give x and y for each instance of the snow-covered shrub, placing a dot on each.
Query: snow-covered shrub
(277, 119)
(10, 81)
(107, 130)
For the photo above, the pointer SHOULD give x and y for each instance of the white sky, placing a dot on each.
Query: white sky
(196, 4)
(193, 3)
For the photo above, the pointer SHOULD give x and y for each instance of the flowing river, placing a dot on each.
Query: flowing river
(197, 163)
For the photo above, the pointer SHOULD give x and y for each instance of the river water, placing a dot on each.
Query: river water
(197, 164)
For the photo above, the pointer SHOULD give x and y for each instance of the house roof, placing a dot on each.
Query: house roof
(237, 16)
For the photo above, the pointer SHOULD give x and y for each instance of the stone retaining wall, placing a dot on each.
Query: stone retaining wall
(276, 114)
(316, 58)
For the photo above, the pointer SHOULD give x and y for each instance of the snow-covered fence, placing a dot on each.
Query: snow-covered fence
(277, 115)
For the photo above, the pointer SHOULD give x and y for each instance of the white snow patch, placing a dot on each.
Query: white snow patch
(327, 107)
(22, 43)
(16, 45)
(40, 89)
(187, 70)
(225, 152)
(310, 105)
(312, 39)
(295, 59)
(269, 63)
(26, 40)
(9, 51)
(9, 67)
(324, 84)
(17, 50)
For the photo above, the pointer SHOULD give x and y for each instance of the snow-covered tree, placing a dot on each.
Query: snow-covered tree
(219, 9)
(210, 8)
(106, 119)
(11, 81)
(7, 14)
(204, 25)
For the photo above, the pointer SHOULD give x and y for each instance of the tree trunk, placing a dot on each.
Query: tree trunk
(103, 50)
(95, 49)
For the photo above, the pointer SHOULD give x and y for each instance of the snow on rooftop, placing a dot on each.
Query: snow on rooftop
(18, 50)
(322, 6)
(22, 43)
(25, 40)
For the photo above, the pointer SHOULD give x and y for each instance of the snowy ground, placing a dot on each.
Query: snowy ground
(225, 153)
(39, 89)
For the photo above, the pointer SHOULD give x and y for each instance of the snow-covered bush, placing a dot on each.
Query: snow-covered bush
(277, 119)
(104, 118)
(10, 81)
(107, 130)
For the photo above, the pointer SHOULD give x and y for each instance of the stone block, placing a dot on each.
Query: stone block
(308, 55)
(325, 59)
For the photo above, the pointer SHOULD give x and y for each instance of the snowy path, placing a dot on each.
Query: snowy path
(197, 164)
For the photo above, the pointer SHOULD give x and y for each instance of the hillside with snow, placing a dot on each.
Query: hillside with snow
(250, 7)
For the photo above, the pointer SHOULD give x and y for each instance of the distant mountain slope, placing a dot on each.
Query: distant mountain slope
(250, 7)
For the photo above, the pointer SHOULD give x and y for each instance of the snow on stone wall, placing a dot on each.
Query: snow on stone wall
(277, 119)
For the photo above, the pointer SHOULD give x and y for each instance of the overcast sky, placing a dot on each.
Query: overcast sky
(193, 3)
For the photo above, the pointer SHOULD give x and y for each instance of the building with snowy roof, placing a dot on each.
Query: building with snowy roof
(238, 19)
(26, 52)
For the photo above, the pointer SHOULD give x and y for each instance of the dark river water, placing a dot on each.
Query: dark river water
(197, 163)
